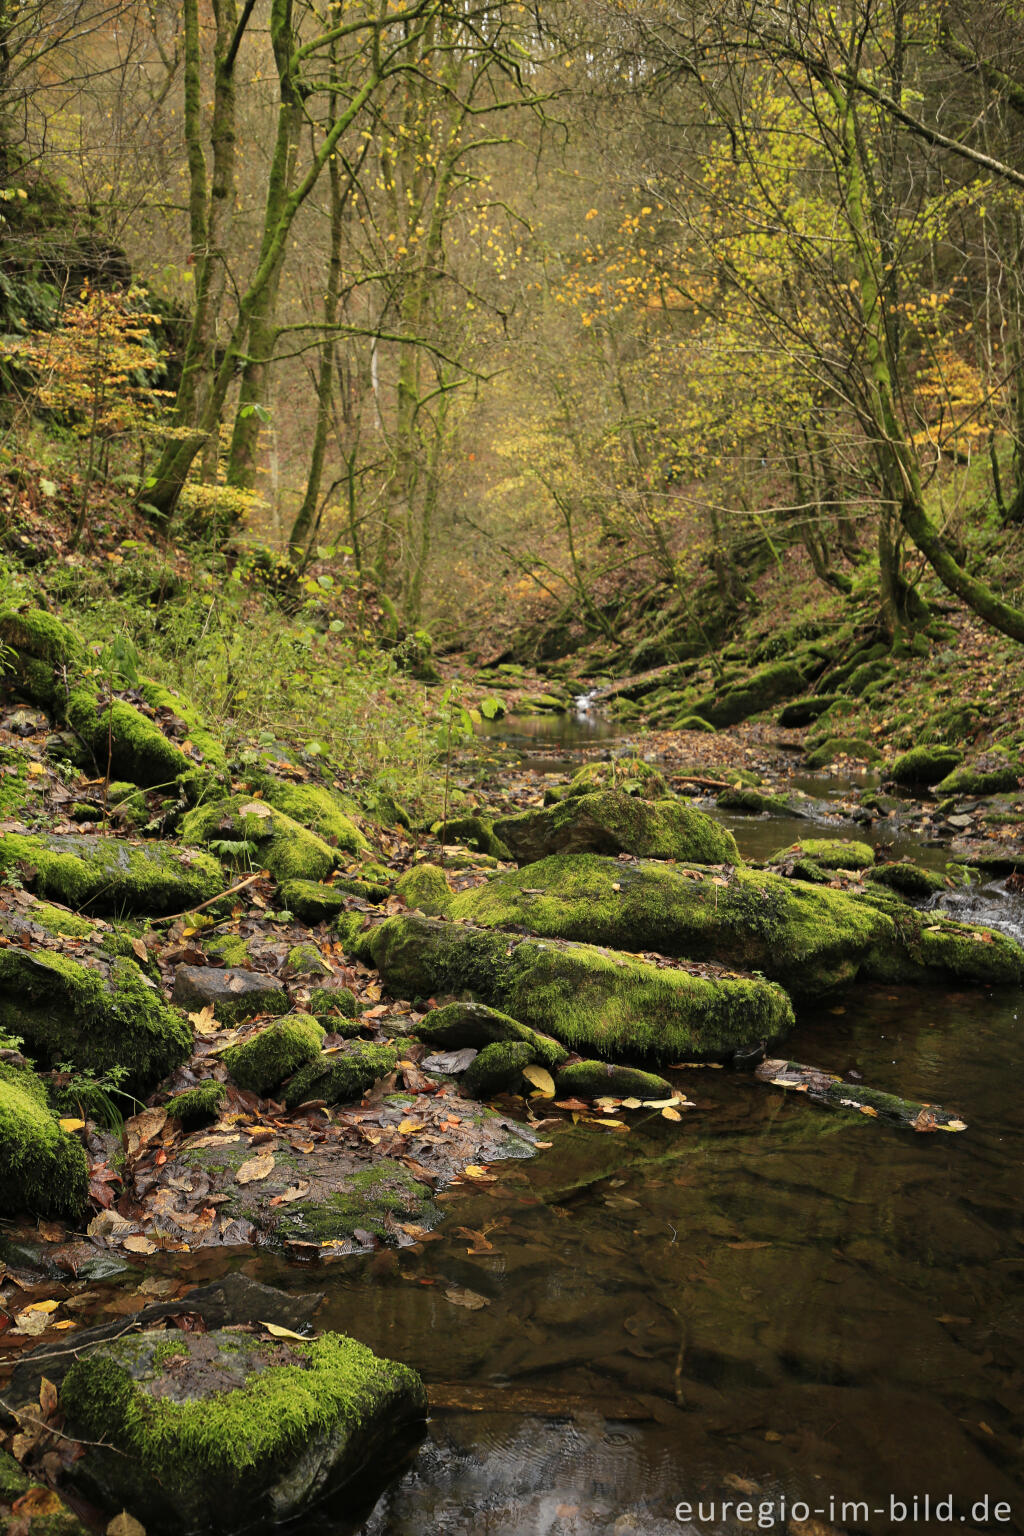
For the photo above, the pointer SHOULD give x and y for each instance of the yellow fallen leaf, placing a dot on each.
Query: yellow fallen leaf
(43, 1306)
(255, 808)
(255, 1168)
(125, 1524)
(277, 1332)
(204, 1021)
(38, 1502)
(475, 1171)
(866, 1109)
(71, 1124)
(65, 1322)
(36, 770)
(953, 1125)
(604, 1120)
(406, 1127)
(541, 1079)
(670, 1113)
(632, 1103)
(139, 1244)
(660, 1103)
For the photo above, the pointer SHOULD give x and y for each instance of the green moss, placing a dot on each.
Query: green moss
(980, 781)
(353, 934)
(13, 1481)
(326, 1002)
(263, 1060)
(197, 1105)
(210, 747)
(42, 1169)
(630, 774)
(341, 1076)
(497, 1069)
(286, 848)
(117, 732)
(803, 711)
(291, 1415)
(44, 648)
(313, 806)
(368, 1201)
(230, 948)
(830, 852)
(312, 902)
(612, 822)
(167, 1349)
(475, 831)
(842, 746)
(583, 996)
(68, 1012)
(60, 921)
(110, 874)
(688, 722)
(751, 802)
(925, 765)
(595, 1079)
(908, 879)
(750, 695)
(458, 1025)
(425, 888)
(306, 960)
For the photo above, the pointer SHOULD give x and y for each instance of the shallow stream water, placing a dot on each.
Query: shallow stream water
(767, 1312)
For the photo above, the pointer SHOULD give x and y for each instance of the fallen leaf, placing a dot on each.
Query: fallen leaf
(296, 1192)
(255, 808)
(277, 1332)
(38, 1502)
(459, 1296)
(125, 1524)
(255, 1168)
(141, 952)
(670, 1113)
(541, 1079)
(139, 1244)
(953, 1125)
(141, 1128)
(71, 1124)
(47, 1398)
(204, 1021)
(475, 1171)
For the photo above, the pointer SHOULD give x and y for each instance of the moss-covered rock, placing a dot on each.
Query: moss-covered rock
(314, 807)
(229, 948)
(610, 1003)
(58, 920)
(45, 650)
(42, 1169)
(306, 960)
(133, 744)
(475, 832)
(289, 850)
(612, 822)
(232, 1430)
(630, 774)
(326, 1003)
(598, 1079)
(69, 1012)
(908, 879)
(925, 765)
(986, 778)
(182, 717)
(803, 711)
(265, 1059)
(752, 802)
(312, 902)
(14, 1480)
(750, 695)
(371, 1200)
(498, 1068)
(833, 747)
(106, 874)
(830, 852)
(234, 994)
(425, 888)
(458, 1025)
(198, 1105)
(341, 1076)
(689, 722)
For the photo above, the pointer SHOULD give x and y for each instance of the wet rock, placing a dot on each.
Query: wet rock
(458, 1025)
(613, 822)
(610, 1003)
(105, 874)
(233, 994)
(217, 1431)
(498, 1068)
(95, 1017)
(596, 1079)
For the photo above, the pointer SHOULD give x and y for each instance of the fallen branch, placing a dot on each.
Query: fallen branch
(693, 778)
(826, 1088)
(234, 889)
(460, 1397)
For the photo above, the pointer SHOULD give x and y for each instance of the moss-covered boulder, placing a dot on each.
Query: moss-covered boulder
(833, 747)
(44, 652)
(285, 847)
(924, 765)
(425, 888)
(135, 745)
(752, 802)
(180, 717)
(498, 1068)
(265, 1059)
(600, 1079)
(341, 1076)
(476, 832)
(197, 1106)
(111, 875)
(223, 1430)
(234, 995)
(306, 960)
(327, 1004)
(810, 938)
(458, 1025)
(805, 711)
(630, 774)
(612, 1004)
(613, 822)
(42, 1169)
(96, 1018)
(989, 776)
(314, 807)
(313, 902)
(829, 852)
(910, 880)
(750, 695)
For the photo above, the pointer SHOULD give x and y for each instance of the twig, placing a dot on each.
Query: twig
(26, 1418)
(241, 887)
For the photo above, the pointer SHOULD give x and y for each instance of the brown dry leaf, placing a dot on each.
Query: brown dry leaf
(255, 1168)
(108, 1224)
(215, 1141)
(866, 1109)
(143, 1127)
(305, 1147)
(139, 1244)
(743, 1247)
(459, 1296)
(47, 1398)
(541, 1079)
(953, 1125)
(924, 1120)
(125, 1524)
(670, 1113)
(406, 1127)
(51, 1231)
(141, 952)
(38, 1502)
(296, 1192)
(255, 808)
(204, 1021)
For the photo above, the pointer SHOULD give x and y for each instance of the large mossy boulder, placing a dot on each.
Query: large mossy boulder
(808, 937)
(825, 752)
(829, 852)
(234, 994)
(606, 1002)
(289, 850)
(224, 1430)
(631, 775)
(991, 775)
(135, 745)
(750, 695)
(611, 821)
(314, 807)
(498, 1068)
(44, 651)
(96, 1018)
(112, 875)
(922, 766)
(264, 1060)
(43, 1170)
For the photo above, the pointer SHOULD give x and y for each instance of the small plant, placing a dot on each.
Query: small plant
(93, 1094)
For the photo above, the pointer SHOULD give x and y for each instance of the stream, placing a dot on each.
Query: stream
(748, 1320)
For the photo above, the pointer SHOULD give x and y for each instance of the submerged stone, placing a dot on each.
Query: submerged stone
(43, 1170)
(95, 1019)
(217, 1431)
(112, 875)
(233, 994)
(608, 1002)
(611, 821)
